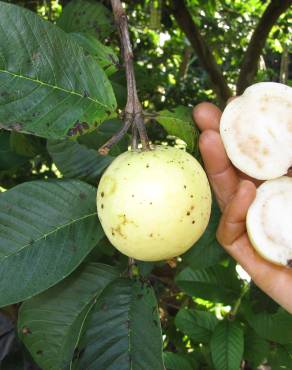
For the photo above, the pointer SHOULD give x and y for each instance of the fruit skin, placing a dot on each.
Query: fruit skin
(269, 221)
(256, 129)
(154, 205)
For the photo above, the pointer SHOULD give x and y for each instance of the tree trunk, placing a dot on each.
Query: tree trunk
(206, 58)
(249, 64)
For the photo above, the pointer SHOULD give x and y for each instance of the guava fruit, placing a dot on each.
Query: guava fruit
(154, 205)
(269, 221)
(256, 129)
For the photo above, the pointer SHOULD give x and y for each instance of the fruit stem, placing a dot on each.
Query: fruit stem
(131, 264)
(232, 314)
(133, 106)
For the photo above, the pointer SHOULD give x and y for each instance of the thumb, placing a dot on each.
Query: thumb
(233, 221)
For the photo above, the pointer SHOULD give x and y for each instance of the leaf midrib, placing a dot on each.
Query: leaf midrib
(41, 83)
(44, 236)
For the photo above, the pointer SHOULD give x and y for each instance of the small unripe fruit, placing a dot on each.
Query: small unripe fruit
(154, 205)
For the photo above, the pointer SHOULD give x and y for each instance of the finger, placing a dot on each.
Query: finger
(233, 221)
(244, 176)
(207, 116)
(274, 280)
(221, 173)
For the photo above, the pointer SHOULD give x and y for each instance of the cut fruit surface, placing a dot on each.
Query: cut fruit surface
(256, 129)
(269, 221)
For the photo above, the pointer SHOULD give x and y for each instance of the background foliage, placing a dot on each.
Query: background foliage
(62, 87)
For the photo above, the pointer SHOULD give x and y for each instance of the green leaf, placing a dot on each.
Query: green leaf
(256, 348)
(25, 145)
(259, 301)
(48, 86)
(118, 82)
(197, 325)
(103, 54)
(275, 327)
(46, 229)
(179, 123)
(8, 157)
(87, 16)
(227, 346)
(77, 161)
(177, 361)
(207, 251)
(50, 323)
(218, 283)
(279, 358)
(122, 330)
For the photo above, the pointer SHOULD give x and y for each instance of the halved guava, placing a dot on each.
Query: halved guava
(269, 221)
(256, 129)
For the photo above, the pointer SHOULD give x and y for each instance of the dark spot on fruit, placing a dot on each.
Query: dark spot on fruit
(147, 166)
(193, 222)
(150, 203)
(133, 195)
(102, 206)
(192, 196)
(151, 235)
(185, 186)
(128, 164)
(102, 194)
(188, 213)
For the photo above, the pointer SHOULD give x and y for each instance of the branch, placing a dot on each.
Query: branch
(284, 69)
(183, 69)
(133, 110)
(206, 58)
(249, 64)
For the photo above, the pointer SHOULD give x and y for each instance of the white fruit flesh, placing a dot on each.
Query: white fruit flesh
(154, 205)
(256, 129)
(269, 221)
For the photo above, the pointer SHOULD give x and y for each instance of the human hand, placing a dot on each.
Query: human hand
(235, 192)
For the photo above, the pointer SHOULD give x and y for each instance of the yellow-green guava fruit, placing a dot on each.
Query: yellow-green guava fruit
(154, 205)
